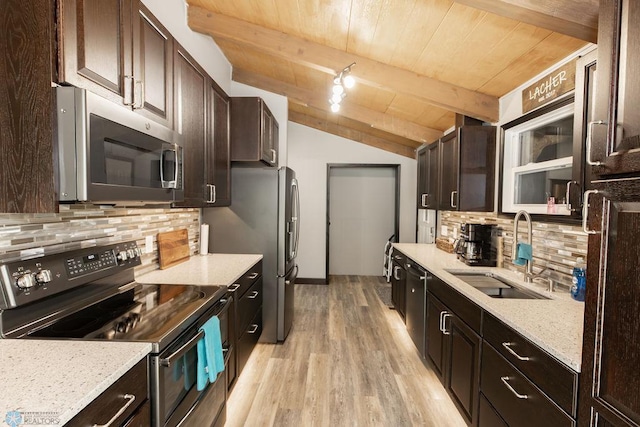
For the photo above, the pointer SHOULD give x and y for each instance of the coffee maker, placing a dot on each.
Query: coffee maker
(477, 245)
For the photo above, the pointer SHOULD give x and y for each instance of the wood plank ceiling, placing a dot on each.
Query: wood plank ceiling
(418, 62)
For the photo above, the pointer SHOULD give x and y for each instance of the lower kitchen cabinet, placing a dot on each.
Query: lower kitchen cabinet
(454, 350)
(399, 283)
(247, 319)
(128, 394)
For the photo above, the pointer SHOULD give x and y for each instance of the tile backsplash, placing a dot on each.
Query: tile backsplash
(555, 245)
(79, 226)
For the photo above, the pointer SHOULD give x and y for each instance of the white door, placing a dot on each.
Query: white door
(362, 209)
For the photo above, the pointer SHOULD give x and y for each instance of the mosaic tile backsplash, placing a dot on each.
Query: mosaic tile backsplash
(555, 245)
(79, 226)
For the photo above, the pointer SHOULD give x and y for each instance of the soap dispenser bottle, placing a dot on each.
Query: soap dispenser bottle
(579, 280)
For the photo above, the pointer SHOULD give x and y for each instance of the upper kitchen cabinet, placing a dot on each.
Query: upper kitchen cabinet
(218, 146)
(467, 169)
(615, 139)
(202, 119)
(428, 169)
(543, 152)
(118, 50)
(254, 132)
(191, 88)
(27, 183)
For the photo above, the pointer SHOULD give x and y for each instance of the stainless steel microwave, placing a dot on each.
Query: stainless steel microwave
(110, 155)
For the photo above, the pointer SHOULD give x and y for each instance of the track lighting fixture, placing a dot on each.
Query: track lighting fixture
(342, 80)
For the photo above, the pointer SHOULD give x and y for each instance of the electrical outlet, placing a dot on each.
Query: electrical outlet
(148, 244)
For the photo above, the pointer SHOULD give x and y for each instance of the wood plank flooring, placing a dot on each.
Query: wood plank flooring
(348, 361)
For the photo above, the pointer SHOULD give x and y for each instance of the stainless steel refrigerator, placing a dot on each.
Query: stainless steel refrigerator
(264, 218)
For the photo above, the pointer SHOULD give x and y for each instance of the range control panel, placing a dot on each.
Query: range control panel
(30, 280)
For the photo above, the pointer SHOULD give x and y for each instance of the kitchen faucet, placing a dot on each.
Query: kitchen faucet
(514, 250)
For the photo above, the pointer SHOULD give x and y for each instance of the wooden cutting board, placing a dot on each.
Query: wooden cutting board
(173, 248)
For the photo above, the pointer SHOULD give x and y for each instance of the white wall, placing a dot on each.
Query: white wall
(310, 151)
(279, 107)
(173, 15)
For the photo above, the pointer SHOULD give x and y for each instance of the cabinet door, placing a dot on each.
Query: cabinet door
(26, 142)
(152, 67)
(415, 304)
(398, 284)
(617, 144)
(610, 377)
(190, 94)
(476, 173)
(449, 168)
(94, 47)
(267, 139)
(275, 139)
(423, 168)
(218, 149)
(433, 177)
(435, 339)
(463, 374)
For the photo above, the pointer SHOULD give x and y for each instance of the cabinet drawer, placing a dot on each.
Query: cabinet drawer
(554, 378)
(112, 400)
(464, 308)
(248, 339)
(240, 286)
(488, 416)
(518, 401)
(398, 258)
(249, 304)
(142, 417)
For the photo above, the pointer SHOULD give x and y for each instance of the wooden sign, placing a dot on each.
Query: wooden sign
(550, 87)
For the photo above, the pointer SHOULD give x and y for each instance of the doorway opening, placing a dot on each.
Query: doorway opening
(363, 210)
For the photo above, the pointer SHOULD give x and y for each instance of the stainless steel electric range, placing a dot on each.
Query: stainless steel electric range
(91, 294)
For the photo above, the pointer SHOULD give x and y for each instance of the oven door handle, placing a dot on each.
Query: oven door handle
(182, 350)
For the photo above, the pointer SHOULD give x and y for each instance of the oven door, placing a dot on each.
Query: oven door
(175, 398)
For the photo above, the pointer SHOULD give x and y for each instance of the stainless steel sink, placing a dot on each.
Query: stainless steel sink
(496, 286)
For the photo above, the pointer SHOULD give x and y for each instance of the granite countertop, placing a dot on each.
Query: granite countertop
(203, 270)
(555, 324)
(57, 379)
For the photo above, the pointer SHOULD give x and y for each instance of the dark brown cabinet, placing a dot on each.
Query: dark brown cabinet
(453, 346)
(218, 146)
(191, 83)
(615, 144)
(128, 398)
(428, 174)
(467, 169)
(416, 299)
(399, 283)
(27, 181)
(247, 318)
(254, 132)
(118, 50)
(610, 379)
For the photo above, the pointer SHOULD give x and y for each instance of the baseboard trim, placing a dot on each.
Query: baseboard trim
(305, 281)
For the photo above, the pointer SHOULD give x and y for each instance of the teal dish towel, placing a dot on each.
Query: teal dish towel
(210, 357)
(524, 253)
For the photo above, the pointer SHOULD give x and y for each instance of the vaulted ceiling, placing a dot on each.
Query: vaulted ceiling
(417, 62)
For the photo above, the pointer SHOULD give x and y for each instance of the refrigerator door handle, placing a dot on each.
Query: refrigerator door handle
(294, 276)
(296, 216)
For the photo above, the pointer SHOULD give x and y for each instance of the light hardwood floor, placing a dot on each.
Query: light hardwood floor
(348, 361)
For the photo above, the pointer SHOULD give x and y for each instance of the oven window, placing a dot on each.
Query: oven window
(123, 156)
(178, 380)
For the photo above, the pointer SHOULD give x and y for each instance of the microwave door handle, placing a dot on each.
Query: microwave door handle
(173, 183)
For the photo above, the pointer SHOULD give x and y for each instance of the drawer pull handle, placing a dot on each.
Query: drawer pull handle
(505, 381)
(233, 287)
(253, 329)
(253, 295)
(130, 398)
(253, 276)
(508, 345)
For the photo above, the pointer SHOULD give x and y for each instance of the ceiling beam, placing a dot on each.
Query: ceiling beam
(375, 119)
(575, 18)
(329, 60)
(352, 134)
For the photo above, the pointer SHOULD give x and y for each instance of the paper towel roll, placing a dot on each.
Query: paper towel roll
(204, 239)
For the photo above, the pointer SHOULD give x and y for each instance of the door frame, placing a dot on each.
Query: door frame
(396, 222)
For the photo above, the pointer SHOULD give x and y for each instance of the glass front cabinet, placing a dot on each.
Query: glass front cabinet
(543, 153)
